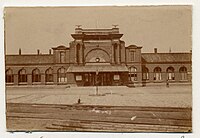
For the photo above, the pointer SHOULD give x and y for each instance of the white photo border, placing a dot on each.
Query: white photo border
(195, 68)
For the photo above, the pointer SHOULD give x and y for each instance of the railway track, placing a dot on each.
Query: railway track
(48, 117)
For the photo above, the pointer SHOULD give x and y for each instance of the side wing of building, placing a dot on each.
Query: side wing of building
(162, 67)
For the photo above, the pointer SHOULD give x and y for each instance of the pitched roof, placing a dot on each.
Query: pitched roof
(29, 59)
(61, 47)
(133, 46)
(166, 57)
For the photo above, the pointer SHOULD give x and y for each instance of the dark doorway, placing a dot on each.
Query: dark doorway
(102, 79)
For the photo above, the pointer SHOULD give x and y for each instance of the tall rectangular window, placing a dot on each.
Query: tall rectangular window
(62, 57)
(132, 55)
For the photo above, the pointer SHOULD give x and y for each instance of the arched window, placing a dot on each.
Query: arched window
(36, 76)
(183, 72)
(170, 73)
(9, 76)
(49, 75)
(145, 73)
(157, 73)
(22, 76)
(62, 75)
(133, 74)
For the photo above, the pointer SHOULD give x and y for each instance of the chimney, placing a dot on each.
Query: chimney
(170, 50)
(155, 50)
(38, 51)
(20, 51)
(49, 51)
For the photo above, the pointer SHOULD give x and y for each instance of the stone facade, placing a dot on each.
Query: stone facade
(97, 57)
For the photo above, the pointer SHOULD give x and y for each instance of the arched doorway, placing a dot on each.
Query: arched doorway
(157, 74)
(49, 75)
(183, 73)
(9, 76)
(36, 76)
(22, 76)
(170, 73)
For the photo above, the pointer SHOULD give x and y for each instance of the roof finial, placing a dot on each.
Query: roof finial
(170, 50)
(78, 26)
(115, 25)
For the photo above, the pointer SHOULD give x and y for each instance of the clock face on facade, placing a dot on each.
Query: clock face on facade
(97, 59)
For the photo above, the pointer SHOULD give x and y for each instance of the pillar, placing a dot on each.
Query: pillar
(177, 76)
(112, 56)
(75, 54)
(118, 55)
(55, 80)
(151, 76)
(43, 79)
(164, 76)
(139, 77)
(16, 79)
(81, 54)
(29, 79)
(82, 51)
(70, 78)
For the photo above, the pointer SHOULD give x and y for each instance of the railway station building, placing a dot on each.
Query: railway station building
(97, 57)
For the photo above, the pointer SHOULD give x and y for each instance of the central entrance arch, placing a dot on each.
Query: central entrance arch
(95, 54)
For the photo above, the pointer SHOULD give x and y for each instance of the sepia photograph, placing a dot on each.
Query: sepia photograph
(98, 69)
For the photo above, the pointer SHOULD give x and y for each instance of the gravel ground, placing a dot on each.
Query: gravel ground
(154, 96)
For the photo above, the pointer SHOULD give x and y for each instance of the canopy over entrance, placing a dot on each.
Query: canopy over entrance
(99, 68)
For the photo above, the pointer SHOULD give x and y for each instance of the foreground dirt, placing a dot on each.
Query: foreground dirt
(77, 117)
(154, 96)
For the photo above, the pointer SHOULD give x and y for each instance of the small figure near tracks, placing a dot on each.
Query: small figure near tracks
(167, 83)
(79, 101)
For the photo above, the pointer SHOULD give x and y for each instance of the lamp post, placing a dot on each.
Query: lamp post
(131, 80)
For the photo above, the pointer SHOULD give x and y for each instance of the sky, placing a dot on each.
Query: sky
(161, 27)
